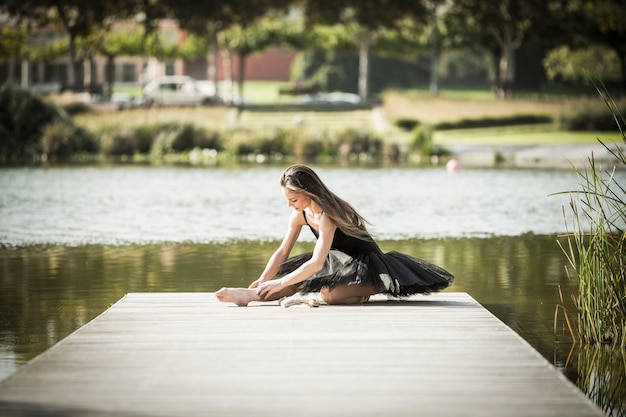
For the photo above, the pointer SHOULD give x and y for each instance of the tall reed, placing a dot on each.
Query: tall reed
(596, 246)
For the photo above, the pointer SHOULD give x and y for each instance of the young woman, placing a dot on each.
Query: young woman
(346, 265)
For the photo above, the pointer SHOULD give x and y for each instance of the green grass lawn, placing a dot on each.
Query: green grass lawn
(522, 135)
(451, 104)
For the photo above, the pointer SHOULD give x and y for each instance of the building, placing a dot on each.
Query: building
(52, 75)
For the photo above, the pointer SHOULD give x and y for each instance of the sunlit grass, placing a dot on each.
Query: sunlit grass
(596, 247)
(225, 118)
(457, 93)
(451, 105)
(520, 135)
(208, 117)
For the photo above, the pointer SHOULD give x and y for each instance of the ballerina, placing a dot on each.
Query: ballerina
(346, 266)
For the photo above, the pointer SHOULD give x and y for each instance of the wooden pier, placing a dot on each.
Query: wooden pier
(186, 354)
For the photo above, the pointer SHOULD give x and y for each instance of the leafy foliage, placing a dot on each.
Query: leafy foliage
(62, 139)
(23, 116)
(590, 115)
(578, 65)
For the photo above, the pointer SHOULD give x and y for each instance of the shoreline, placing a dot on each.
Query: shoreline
(532, 156)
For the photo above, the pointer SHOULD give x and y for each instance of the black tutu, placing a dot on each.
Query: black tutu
(393, 273)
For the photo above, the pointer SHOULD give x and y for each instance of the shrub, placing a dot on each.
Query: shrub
(423, 143)
(244, 149)
(596, 246)
(276, 142)
(269, 142)
(590, 116)
(353, 143)
(118, 143)
(174, 137)
(76, 108)
(62, 139)
(406, 124)
(144, 139)
(183, 139)
(310, 149)
(206, 139)
(422, 140)
(521, 119)
(23, 117)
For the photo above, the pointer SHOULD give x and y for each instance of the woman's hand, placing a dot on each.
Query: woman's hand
(256, 283)
(267, 288)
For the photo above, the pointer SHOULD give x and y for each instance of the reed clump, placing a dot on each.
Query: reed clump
(596, 246)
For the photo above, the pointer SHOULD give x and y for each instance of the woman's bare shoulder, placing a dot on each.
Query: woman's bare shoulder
(297, 219)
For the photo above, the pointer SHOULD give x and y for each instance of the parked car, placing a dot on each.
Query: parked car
(179, 90)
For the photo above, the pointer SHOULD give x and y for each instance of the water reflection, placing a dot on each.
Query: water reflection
(47, 292)
(179, 230)
(600, 372)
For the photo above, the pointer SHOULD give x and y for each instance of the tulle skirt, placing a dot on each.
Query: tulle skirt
(393, 273)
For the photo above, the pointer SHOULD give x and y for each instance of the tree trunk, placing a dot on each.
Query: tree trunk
(71, 74)
(25, 73)
(495, 66)
(212, 61)
(434, 56)
(242, 75)
(228, 74)
(622, 60)
(364, 50)
(11, 69)
(507, 63)
(110, 75)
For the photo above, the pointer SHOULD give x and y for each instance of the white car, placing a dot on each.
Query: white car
(179, 90)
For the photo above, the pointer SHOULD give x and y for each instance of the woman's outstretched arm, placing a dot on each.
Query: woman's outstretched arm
(308, 268)
(296, 221)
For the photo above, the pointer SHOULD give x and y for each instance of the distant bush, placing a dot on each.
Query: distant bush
(206, 139)
(118, 142)
(61, 139)
(269, 142)
(356, 144)
(590, 115)
(310, 149)
(23, 117)
(188, 137)
(144, 139)
(406, 123)
(523, 119)
(423, 142)
(76, 108)
(184, 137)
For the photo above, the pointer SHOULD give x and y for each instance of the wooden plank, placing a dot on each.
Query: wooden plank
(186, 354)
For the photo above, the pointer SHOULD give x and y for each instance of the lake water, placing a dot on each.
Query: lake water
(142, 205)
(73, 240)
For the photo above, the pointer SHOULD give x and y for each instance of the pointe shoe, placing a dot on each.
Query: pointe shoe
(297, 299)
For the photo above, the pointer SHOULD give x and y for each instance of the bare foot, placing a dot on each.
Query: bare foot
(239, 296)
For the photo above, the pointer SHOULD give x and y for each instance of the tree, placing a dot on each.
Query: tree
(426, 36)
(602, 22)
(581, 65)
(363, 19)
(501, 27)
(231, 21)
(245, 41)
(77, 18)
(14, 45)
(116, 43)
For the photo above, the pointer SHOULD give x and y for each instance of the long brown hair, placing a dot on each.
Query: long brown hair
(303, 180)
